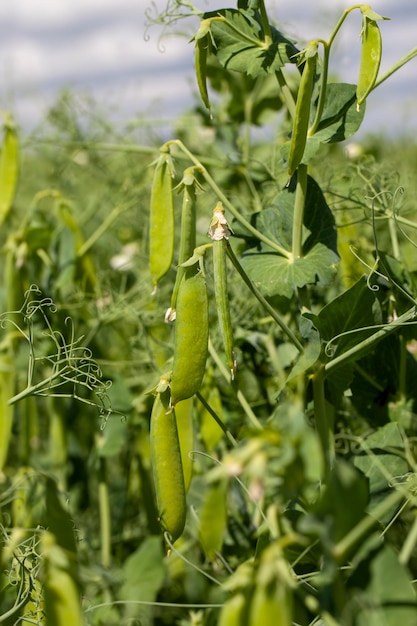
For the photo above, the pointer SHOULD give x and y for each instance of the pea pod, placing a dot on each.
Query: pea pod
(235, 611)
(167, 468)
(302, 108)
(61, 592)
(161, 227)
(220, 233)
(370, 58)
(188, 186)
(184, 419)
(191, 337)
(201, 49)
(212, 527)
(8, 167)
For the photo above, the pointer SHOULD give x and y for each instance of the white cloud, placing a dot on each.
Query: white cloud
(99, 45)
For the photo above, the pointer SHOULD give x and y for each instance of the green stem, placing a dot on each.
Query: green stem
(286, 94)
(323, 88)
(275, 316)
(299, 205)
(105, 516)
(217, 419)
(341, 549)
(226, 202)
(357, 351)
(265, 23)
(405, 59)
(239, 395)
(104, 226)
(409, 544)
(322, 424)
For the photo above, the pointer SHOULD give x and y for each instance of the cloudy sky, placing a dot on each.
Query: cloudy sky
(100, 47)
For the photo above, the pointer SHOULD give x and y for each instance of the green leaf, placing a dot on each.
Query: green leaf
(276, 275)
(379, 461)
(340, 119)
(344, 500)
(143, 574)
(355, 309)
(382, 591)
(240, 44)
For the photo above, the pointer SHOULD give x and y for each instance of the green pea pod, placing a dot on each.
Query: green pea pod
(370, 59)
(161, 227)
(235, 611)
(191, 337)
(271, 604)
(7, 382)
(184, 418)
(61, 592)
(9, 167)
(188, 186)
(212, 526)
(219, 232)
(201, 50)
(167, 468)
(302, 108)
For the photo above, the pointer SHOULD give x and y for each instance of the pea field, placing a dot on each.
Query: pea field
(208, 400)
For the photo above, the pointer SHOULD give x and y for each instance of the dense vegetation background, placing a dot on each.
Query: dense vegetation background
(275, 531)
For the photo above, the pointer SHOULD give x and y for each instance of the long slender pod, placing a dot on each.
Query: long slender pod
(220, 233)
(167, 468)
(191, 337)
(9, 167)
(371, 53)
(188, 186)
(302, 108)
(161, 225)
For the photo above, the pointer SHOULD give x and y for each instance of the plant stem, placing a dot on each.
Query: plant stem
(265, 23)
(217, 419)
(366, 524)
(275, 316)
(239, 395)
(323, 86)
(409, 544)
(299, 205)
(236, 214)
(322, 423)
(105, 516)
(356, 351)
(287, 96)
(405, 59)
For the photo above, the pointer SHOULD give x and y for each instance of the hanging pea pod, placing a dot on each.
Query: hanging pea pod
(184, 419)
(202, 40)
(167, 468)
(61, 591)
(212, 527)
(370, 55)
(302, 107)
(161, 227)
(235, 611)
(191, 337)
(272, 597)
(9, 167)
(219, 232)
(189, 186)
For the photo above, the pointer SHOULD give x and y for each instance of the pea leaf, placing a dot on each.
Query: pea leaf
(340, 119)
(379, 461)
(354, 309)
(240, 44)
(143, 574)
(276, 275)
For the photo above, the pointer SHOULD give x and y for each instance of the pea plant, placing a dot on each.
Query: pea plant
(207, 348)
(306, 479)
